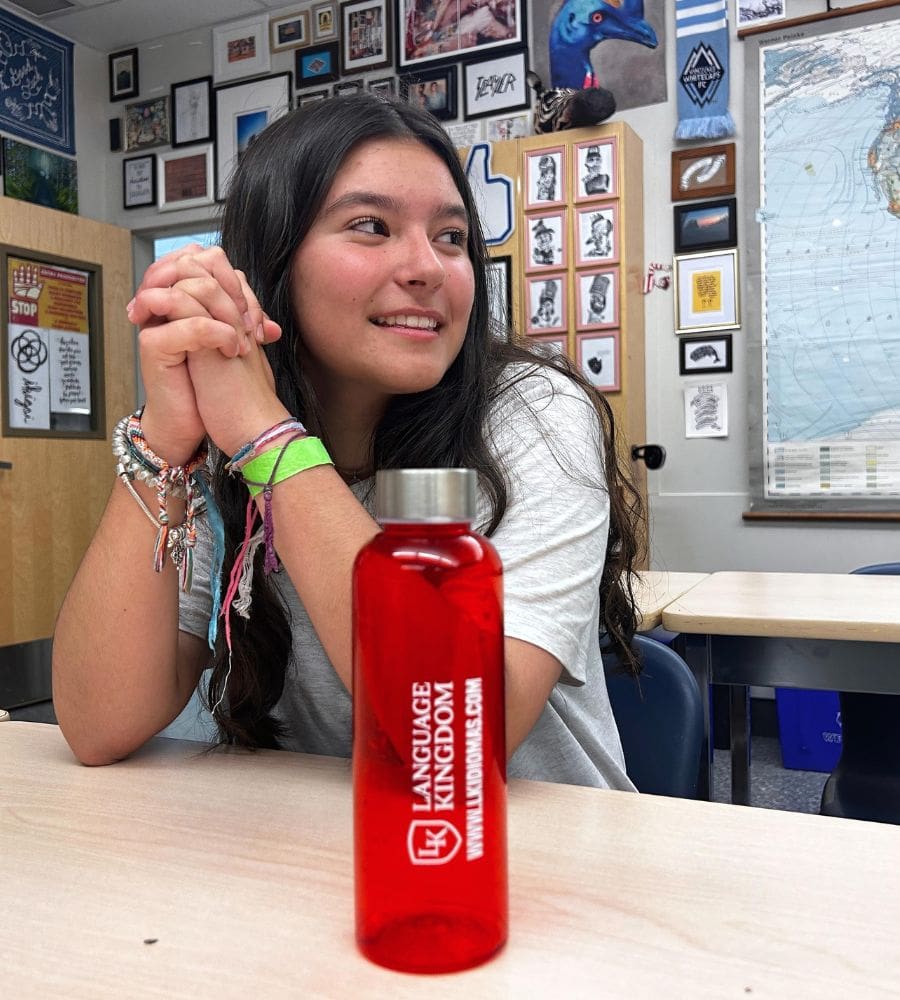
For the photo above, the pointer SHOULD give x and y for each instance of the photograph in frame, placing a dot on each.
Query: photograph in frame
(706, 225)
(703, 172)
(545, 177)
(598, 298)
(596, 169)
(242, 110)
(706, 292)
(598, 359)
(495, 85)
(386, 86)
(240, 49)
(139, 181)
(185, 178)
(191, 103)
(432, 89)
(324, 22)
(508, 127)
(290, 31)
(752, 13)
(549, 344)
(346, 87)
(545, 241)
(316, 65)
(427, 32)
(147, 124)
(499, 278)
(365, 35)
(597, 239)
(40, 177)
(704, 353)
(545, 303)
(123, 75)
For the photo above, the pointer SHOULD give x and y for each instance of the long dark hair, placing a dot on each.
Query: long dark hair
(274, 197)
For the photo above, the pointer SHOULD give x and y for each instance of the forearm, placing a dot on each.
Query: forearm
(115, 648)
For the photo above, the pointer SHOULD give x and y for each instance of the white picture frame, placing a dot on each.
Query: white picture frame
(495, 85)
(185, 178)
(240, 49)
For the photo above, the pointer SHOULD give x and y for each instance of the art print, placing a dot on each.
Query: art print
(545, 239)
(240, 49)
(598, 234)
(598, 298)
(495, 85)
(546, 304)
(39, 176)
(428, 31)
(598, 359)
(147, 124)
(365, 35)
(596, 169)
(545, 177)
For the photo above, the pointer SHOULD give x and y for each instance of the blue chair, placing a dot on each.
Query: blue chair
(660, 720)
(865, 784)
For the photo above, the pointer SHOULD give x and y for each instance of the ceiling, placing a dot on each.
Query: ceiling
(109, 25)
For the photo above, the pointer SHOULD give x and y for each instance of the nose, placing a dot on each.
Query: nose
(419, 262)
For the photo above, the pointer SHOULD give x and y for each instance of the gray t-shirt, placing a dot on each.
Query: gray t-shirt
(552, 543)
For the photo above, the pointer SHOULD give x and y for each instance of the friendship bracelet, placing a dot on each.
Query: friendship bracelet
(249, 450)
(277, 464)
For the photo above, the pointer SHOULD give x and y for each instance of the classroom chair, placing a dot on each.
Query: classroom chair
(660, 720)
(865, 784)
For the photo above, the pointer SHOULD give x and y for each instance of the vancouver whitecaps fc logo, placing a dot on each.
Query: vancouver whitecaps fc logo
(702, 75)
(432, 841)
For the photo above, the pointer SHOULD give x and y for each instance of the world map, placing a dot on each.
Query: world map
(830, 236)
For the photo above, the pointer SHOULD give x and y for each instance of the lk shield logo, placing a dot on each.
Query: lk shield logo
(702, 75)
(432, 842)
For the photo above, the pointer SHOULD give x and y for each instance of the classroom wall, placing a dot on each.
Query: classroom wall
(697, 499)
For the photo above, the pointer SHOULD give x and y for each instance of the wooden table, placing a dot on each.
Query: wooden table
(655, 589)
(803, 630)
(237, 867)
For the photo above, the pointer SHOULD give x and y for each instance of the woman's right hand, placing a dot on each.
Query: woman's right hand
(190, 300)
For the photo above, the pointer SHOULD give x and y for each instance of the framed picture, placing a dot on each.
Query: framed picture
(347, 87)
(598, 359)
(386, 86)
(39, 176)
(192, 111)
(500, 294)
(365, 35)
(185, 178)
(708, 225)
(596, 169)
(597, 234)
(702, 172)
(549, 344)
(51, 346)
(432, 89)
(242, 111)
(751, 13)
(291, 31)
(316, 65)
(496, 85)
(240, 49)
(703, 354)
(312, 97)
(324, 22)
(545, 177)
(706, 291)
(545, 301)
(123, 74)
(460, 29)
(139, 181)
(598, 298)
(147, 124)
(545, 241)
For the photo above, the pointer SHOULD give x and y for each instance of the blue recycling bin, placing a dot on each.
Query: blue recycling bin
(809, 725)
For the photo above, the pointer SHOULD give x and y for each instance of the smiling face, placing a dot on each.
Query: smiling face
(382, 283)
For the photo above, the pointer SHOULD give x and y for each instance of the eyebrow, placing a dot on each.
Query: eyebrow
(386, 203)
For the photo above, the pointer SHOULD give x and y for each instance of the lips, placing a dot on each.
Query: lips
(407, 320)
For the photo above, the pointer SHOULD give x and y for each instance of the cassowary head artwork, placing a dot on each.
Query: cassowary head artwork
(580, 25)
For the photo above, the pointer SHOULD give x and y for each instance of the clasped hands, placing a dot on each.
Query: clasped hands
(203, 367)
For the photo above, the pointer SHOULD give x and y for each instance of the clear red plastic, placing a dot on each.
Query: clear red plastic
(429, 749)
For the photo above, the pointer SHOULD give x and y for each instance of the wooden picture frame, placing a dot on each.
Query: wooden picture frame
(596, 169)
(191, 103)
(316, 65)
(240, 49)
(432, 89)
(703, 172)
(123, 75)
(139, 181)
(707, 353)
(324, 22)
(545, 177)
(546, 305)
(706, 291)
(185, 178)
(598, 358)
(495, 85)
(289, 31)
(705, 225)
(597, 298)
(597, 234)
(366, 31)
(418, 42)
(546, 241)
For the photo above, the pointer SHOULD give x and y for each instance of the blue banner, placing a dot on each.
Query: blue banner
(701, 55)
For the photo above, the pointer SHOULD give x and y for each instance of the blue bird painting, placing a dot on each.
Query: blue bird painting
(580, 25)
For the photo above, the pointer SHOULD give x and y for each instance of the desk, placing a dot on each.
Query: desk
(239, 865)
(805, 630)
(654, 589)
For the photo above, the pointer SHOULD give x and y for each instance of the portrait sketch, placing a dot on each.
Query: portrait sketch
(546, 242)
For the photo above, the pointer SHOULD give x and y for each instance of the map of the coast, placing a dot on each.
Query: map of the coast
(831, 263)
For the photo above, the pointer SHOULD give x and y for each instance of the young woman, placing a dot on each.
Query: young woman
(349, 293)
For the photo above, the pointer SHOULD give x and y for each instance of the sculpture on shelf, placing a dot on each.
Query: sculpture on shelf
(562, 107)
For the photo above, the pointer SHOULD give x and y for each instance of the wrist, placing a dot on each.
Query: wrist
(175, 449)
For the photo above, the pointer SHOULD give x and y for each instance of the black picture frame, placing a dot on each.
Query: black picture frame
(508, 66)
(344, 87)
(139, 181)
(363, 35)
(500, 299)
(123, 75)
(449, 46)
(305, 73)
(719, 345)
(423, 77)
(191, 108)
(705, 225)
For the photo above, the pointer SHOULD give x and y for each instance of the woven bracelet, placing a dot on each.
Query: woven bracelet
(277, 464)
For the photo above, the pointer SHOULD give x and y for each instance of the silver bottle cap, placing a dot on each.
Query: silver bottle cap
(425, 495)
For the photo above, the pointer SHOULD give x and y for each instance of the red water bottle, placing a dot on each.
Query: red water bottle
(429, 743)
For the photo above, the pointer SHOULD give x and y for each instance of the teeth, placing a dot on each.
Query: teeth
(419, 322)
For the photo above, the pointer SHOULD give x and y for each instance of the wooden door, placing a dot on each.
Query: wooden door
(54, 493)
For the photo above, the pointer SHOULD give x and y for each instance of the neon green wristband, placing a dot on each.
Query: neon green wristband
(296, 456)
